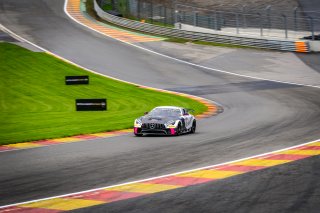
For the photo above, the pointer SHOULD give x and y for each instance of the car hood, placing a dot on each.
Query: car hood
(158, 119)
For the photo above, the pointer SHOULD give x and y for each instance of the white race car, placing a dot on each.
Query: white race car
(165, 120)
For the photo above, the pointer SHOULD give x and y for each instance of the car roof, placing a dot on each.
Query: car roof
(169, 107)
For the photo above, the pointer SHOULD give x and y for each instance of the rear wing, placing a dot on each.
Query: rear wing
(190, 110)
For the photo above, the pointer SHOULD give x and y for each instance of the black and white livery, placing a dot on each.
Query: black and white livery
(165, 120)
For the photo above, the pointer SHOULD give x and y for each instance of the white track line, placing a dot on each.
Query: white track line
(162, 176)
(96, 189)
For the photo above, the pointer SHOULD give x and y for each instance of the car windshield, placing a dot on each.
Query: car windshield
(165, 112)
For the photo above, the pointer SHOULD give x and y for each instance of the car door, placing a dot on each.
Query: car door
(188, 118)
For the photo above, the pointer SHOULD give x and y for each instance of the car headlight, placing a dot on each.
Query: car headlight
(170, 124)
(137, 123)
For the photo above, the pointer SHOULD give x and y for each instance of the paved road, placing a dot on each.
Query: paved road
(4, 37)
(259, 116)
(312, 60)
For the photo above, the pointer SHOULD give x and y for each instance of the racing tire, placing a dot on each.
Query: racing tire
(194, 127)
(179, 130)
(138, 135)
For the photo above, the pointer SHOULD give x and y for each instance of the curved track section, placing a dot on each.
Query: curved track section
(259, 116)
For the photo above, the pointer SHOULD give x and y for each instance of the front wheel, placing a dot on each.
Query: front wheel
(193, 128)
(138, 135)
(178, 130)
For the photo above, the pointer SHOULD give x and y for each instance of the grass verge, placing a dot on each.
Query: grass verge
(36, 104)
(183, 41)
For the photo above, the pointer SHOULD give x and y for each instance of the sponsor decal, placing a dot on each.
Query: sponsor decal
(73, 80)
(91, 104)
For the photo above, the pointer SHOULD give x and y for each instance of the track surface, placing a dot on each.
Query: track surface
(259, 116)
(262, 191)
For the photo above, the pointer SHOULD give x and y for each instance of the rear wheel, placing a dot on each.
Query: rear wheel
(193, 128)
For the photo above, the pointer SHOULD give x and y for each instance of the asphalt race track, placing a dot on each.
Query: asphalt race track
(259, 116)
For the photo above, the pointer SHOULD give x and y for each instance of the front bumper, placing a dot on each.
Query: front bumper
(163, 131)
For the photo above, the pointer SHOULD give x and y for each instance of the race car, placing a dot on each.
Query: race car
(165, 120)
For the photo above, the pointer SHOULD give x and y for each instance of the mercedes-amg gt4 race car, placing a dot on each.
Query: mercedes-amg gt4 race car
(165, 120)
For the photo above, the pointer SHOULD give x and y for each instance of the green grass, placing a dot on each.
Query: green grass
(107, 7)
(36, 104)
(223, 45)
(183, 41)
(178, 40)
(90, 10)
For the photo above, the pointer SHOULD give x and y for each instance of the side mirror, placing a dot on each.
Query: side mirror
(146, 113)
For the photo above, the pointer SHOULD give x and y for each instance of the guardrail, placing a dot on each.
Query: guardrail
(284, 45)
